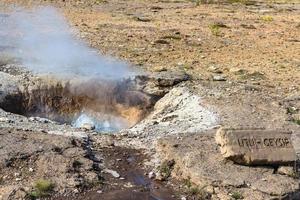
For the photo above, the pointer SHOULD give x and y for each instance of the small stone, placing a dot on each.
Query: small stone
(151, 175)
(112, 172)
(99, 191)
(183, 198)
(219, 78)
(142, 19)
(17, 174)
(286, 170)
(210, 189)
(159, 69)
(18, 179)
(215, 69)
(161, 41)
(5, 120)
(31, 169)
(76, 191)
(88, 126)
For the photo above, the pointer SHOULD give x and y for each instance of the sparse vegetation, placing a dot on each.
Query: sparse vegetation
(291, 110)
(237, 195)
(267, 18)
(42, 188)
(238, 1)
(296, 121)
(188, 183)
(215, 29)
(198, 2)
(166, 168)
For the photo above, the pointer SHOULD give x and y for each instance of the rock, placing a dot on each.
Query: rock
(112, 172)
(161, 41)
(276, 185)
(219, 78)
(286, 170)
(215, 69)
(5, 120)
(256, 146)
(151, 175)
(142, 19)
(40, 119)
(88, 126)
(198, 160)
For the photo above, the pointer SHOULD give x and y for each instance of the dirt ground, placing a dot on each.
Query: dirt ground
(242, 57)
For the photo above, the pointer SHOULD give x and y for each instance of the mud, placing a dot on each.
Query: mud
(133, 183)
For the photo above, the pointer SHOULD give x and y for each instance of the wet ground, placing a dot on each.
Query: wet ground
(133, 183)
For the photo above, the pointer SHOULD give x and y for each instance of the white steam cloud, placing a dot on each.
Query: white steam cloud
(43, 41)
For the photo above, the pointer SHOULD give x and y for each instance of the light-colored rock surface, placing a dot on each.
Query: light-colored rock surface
(256, 146)
(179, 111)
(287, 170)
(197, 158)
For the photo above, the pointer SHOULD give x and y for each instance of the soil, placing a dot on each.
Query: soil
(242, 60)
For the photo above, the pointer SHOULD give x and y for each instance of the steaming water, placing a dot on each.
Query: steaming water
(42, 41)
(102, 123)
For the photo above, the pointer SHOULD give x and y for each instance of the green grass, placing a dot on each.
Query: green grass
(42, 188)
(238, 1)
(166, 168)
(267, 18)
(215, 29)
(296, 121)
(237, 195)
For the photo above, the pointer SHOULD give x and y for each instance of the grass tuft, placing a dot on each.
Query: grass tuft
(42, 188)
(267, 18)
(237, 195)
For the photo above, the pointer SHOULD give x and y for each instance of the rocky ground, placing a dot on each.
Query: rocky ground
(232, 63)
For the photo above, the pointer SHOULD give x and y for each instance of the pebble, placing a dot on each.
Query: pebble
(112, 172)
(88, 126)
(5, 120)
(219, 78)
(99, 191)
(17, 174)
(151, 175)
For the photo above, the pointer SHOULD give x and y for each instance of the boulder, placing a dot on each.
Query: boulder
(256, 146)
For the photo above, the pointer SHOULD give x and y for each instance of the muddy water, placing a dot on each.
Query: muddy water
(128, 163)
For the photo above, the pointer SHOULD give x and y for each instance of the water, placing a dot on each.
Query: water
(100, 122)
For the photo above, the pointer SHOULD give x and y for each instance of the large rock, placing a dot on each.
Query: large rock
(256, 146)
(198, 160)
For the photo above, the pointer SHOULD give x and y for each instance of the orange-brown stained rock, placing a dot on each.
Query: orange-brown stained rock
(256, 146)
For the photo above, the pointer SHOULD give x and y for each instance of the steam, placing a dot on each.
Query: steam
(103, 123)
(44, 42)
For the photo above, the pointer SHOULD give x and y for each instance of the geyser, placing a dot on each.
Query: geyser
(76, 84)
